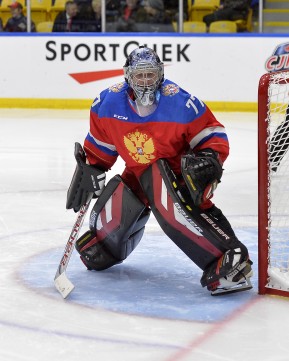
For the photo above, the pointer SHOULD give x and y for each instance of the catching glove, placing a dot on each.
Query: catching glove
(202, 172)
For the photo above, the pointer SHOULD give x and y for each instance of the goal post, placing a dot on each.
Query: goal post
(273, 183)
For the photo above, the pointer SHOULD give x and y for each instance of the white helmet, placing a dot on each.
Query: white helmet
(144, 72)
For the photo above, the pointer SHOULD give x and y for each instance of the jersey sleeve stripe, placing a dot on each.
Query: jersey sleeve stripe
(104, 147)
(213, 135)
(206, 134)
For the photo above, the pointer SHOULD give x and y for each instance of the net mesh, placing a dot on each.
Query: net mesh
(278, 180)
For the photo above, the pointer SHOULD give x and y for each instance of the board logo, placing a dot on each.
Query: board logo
(279, 60)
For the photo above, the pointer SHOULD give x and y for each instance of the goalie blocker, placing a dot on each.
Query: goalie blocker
(87, 181)
(118, 219)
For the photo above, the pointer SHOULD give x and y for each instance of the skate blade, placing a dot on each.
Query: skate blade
(244, 286)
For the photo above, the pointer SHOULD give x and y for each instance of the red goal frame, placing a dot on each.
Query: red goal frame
(263, 194)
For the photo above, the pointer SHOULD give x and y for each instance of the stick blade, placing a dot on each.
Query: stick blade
(63, 285)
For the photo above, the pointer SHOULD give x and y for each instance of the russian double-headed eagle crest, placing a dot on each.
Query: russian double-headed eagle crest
(140, 146)
(170, 89)
(116, 88)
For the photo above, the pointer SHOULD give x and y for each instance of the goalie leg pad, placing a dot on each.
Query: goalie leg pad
(216, 215)
(195, 232)
(117, 223)
(203, 235)
(93, 253)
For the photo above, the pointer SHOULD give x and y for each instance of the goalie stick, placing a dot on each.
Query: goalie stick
(61, 281)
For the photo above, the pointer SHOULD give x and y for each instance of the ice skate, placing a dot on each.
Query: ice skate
(231, 273)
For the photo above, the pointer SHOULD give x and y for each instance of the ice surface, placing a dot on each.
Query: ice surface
(152, 307)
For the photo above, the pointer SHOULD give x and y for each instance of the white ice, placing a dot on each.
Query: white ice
(150, 308)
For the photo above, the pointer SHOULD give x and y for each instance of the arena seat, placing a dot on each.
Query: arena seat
(200, 8)
(44, 27)
(191, 27)
(246, 24)
(194, 27)
(224, 26)
(40, 10)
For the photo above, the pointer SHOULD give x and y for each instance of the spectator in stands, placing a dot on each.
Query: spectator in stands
(254, 5)
(1, 25)
(90, 14)
(154, 12)
(91, 18)
(172, 10)
(17, 22)
(67, 20)
(112, 10)
(84, 7)
(229, 10)
(128, 16)
(144, 16)
(153, 18)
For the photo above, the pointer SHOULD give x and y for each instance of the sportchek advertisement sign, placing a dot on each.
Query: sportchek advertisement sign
(214, 68)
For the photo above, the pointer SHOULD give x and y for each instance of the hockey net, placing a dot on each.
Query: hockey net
(273, 179)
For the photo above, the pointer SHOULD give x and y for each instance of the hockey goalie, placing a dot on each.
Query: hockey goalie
(174, 149)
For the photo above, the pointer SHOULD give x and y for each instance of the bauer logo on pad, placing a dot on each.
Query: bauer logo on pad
(279, 60)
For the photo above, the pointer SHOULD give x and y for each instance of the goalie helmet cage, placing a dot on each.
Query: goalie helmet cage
(273, 184)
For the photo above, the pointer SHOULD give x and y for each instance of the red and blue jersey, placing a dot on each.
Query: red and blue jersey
(179, 122)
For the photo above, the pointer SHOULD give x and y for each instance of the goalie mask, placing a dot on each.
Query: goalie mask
(144, 72)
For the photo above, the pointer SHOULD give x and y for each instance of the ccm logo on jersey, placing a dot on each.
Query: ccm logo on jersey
(120, 117)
